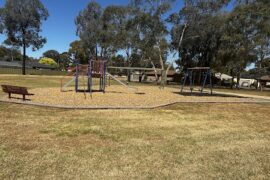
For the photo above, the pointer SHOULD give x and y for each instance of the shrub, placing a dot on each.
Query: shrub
(48, 61)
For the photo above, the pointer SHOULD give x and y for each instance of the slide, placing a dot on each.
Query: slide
(134, 89)
(64, 86)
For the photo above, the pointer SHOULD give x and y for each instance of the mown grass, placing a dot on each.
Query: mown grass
(244, 91)
(185, 141)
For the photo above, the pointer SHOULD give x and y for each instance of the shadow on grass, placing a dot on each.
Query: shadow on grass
(17, 98)
(199, 94)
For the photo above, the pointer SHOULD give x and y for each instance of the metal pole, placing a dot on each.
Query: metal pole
(190, 72)
(90, 77)
(211, 83)
(184, 83)
(77, 78)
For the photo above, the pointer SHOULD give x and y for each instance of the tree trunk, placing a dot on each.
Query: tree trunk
(167, 70)
(182, 36)
(96, 52)
(24, 59)
(155, 70)
(238, 80)
(232, 82)
(128, 61)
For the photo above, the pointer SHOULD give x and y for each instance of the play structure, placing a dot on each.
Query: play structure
(95, 69)
(86, 73)
(202, 76)
(83, 77)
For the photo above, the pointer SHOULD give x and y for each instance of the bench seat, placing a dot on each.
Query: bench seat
(16, 90)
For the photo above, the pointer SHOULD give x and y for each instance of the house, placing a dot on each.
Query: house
(243, 82)
(264, 80)
(223, 77)
(172, 76)
(135, 76)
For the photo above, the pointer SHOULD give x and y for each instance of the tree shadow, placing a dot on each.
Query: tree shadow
(17, 98)
(199, 94)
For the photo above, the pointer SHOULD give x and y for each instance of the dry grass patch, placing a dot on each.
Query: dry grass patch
(182, 141)
(119, 96)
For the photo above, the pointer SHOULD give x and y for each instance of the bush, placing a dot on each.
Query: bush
(48, 61)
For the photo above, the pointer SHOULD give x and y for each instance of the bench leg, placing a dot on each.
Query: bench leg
(23, 97)
(9, 95)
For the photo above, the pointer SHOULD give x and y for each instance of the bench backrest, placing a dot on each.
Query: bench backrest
(14, 89)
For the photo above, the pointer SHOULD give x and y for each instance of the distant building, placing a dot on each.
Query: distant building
(264, 80)
(172, 76)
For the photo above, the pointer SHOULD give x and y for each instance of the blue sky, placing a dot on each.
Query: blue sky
(60, 29)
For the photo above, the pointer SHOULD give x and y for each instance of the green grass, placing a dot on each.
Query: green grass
(178, 142)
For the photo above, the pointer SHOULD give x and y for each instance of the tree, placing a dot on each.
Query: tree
(53, 54)
(266, 63)
(89, 27)
(202, 23)
(10, 53)
(246, 38)
(151, 24)
(48, 61)
(121, 30)
(22, 21)
(79, 51)
(257, 18)
(65, 60)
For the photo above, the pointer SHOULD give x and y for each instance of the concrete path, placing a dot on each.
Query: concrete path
(242, 95)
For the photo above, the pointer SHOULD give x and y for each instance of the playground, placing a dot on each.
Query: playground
(92, 86)
(117, 96)
(188, 138)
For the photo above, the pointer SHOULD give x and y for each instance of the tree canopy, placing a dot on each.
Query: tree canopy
(145, 33)
(21, 21)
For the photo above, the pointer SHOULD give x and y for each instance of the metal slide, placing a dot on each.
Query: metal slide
(68, 83)
(134, 89)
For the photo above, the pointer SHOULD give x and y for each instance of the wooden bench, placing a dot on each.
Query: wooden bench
(16, 90)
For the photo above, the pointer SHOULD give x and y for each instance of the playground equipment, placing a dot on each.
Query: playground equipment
(123, 84)
(205, 75)
(96, 69)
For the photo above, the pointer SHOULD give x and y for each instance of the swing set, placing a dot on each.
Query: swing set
(202, 75)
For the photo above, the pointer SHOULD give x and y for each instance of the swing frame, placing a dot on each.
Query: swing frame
(190, 75)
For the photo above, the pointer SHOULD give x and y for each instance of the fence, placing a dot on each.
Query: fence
(47, 72)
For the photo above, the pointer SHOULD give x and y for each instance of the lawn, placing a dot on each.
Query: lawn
(244, 91)
(184, 141)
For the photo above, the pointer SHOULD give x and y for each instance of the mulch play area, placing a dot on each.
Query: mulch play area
(119, 96)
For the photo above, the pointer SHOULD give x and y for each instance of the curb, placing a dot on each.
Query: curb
(130, 107)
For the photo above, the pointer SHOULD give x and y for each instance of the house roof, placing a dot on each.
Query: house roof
(265, 78)
(36, 64)
(223, 76)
